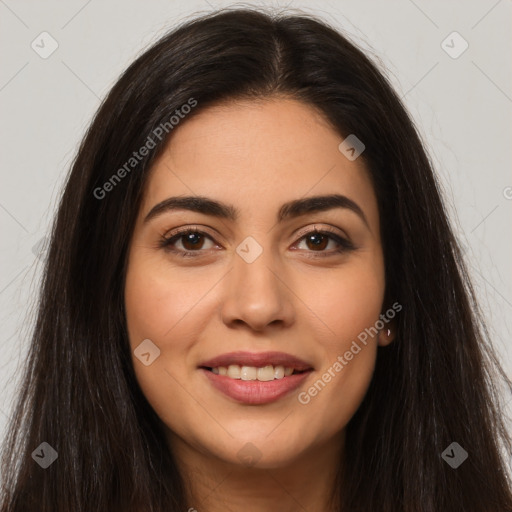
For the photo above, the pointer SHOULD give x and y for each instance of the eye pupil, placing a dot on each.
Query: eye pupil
(192, 239)
(318, 240)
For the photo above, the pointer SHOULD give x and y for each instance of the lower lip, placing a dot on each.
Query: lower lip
(255, 392)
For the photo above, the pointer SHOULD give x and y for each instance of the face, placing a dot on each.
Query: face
(245, 285)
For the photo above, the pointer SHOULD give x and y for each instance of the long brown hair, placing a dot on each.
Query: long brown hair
(434, 385)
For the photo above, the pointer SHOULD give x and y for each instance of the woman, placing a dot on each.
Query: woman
(253, 299)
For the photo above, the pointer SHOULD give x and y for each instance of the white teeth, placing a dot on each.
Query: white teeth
(248, 373)
(278, 372)
(234, 371)
(264, 374)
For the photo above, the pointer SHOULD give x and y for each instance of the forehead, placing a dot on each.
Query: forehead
(257, 155)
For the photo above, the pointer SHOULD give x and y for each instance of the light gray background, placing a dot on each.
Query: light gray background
(462, 107)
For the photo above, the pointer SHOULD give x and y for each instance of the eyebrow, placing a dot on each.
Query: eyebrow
(289, 210)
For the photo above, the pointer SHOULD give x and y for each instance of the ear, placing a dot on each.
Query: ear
(387, 334)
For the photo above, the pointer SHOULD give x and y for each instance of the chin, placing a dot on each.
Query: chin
(259, 451)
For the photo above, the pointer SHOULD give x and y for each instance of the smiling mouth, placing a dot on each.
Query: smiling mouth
(247, 373)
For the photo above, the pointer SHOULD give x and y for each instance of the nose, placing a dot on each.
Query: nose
(257, 295)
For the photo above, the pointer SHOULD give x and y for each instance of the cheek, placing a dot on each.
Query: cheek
(159, 301)
(349, 301)
(349, 305)
(170, 309)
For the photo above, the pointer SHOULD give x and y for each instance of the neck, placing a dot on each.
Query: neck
(305, 483)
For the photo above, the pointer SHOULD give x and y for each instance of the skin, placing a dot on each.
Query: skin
(256, 155)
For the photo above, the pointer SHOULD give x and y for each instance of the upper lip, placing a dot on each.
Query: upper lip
(260, 359)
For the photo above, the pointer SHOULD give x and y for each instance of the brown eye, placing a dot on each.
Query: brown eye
(318, 241)
(192, 241)
(187, 242)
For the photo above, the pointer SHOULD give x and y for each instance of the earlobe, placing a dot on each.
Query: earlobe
(387, 334)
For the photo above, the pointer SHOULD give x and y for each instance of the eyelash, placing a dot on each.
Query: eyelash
(343, 244)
